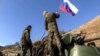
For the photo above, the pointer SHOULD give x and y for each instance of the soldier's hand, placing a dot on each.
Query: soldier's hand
(78, 40)
(57, 15)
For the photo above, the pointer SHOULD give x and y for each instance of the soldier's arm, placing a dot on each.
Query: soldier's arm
(46, 24)
(28, 37)
(57, 15)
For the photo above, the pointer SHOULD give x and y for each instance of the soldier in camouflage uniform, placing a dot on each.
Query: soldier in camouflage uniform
(26, 42)
(1, 54)
(52, 28)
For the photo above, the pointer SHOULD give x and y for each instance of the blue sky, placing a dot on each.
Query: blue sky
(15, 15)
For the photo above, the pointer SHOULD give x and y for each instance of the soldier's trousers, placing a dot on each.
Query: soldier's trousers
(53, 35)
(24, 50)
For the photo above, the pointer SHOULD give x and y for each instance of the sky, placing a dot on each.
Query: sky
(15, 15)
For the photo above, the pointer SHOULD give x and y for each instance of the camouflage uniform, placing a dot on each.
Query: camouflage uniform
(52, 28)
(26, 42)
(1, 54)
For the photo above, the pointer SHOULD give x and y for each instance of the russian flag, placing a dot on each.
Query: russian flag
(68, 7)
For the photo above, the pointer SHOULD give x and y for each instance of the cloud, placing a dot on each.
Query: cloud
(2, 44)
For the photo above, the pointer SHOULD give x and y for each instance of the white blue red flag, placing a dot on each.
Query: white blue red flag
(68, 7)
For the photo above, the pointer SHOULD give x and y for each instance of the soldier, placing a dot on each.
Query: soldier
(26, 42)
(52, 28)
(1, 54)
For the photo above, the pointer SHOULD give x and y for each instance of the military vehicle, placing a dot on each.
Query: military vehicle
(74, 46)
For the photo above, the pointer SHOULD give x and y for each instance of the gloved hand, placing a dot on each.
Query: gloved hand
(78, 40)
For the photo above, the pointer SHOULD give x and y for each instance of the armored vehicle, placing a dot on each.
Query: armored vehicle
(74, 46)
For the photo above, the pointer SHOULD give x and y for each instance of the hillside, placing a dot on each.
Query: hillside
(92, 29)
